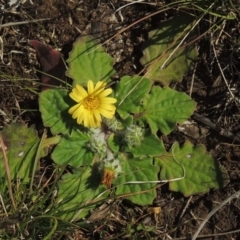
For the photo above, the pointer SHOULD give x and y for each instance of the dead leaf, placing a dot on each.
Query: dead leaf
(155, 211)
(51, 63)
(100, 213)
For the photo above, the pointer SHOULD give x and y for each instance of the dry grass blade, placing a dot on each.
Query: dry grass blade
(5, 159)
(22, 22)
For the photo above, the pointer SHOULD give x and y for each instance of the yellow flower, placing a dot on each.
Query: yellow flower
(92, 104)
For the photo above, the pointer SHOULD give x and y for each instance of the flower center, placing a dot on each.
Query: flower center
(91, 103)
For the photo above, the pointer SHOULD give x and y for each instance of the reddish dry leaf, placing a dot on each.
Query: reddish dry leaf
(51, 62)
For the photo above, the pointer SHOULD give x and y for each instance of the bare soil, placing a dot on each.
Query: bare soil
(67, 20)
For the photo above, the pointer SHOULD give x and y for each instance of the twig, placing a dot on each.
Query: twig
(192, 81)
(215, 127)
(235, 195)
(222, 73)
(185, 208)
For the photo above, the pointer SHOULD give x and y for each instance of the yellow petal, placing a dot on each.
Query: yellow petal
(100, 85)
(86, 120)
(82, 92)
(78, 112)
(106, 113)
(108, 107)
(90, 87)
(92, 120)
(105, 93)
(97, 122)
(97, 116)
(108, 100)
(75, 96)
(99, 89)
(78, 93)
(80, 119)
(80, 116)
(73, 109)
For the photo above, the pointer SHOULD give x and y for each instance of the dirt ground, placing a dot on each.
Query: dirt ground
(218, 100)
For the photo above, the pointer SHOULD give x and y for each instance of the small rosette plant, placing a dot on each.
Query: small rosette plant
(110, 136)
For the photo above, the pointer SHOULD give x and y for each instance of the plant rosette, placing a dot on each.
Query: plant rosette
(109, 136)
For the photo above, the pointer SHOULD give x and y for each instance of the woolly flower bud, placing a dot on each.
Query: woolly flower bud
(134, 135)
(97, 141)
(113, 124)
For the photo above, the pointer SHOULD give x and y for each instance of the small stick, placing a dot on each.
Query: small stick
(185, 208)
(215, 127)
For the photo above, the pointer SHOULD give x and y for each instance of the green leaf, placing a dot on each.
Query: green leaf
(77, 194)
(89, 61)
(54, 105)
(113, 145)
(130, 93)
(72, 150)
(164, 59)
(164, 108)
(150, 146)
(21, 145)
(199, 169)
(142, 193)
(128, 121)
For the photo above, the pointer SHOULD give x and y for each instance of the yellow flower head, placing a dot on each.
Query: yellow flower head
(92, 104)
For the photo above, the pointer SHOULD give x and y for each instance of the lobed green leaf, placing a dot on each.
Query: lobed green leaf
(54, 105)
(164, 108)
(167, 55)
(89, 61)
(197, 167)
(140, 170)
(150, 146)
(72, 150)
(21, 145)
(130, 93)
(78, 194)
